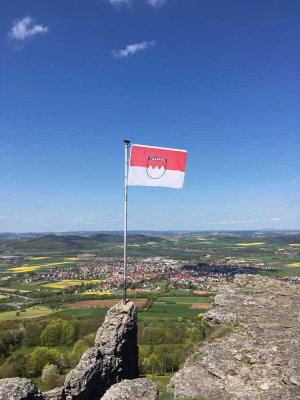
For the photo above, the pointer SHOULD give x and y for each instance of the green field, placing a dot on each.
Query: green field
(281, 272)
(81, 312)
(31, 312)
(185, 300)
(166, 311)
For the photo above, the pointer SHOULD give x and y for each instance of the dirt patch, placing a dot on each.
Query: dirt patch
(201, 292)
(3, 296)
(104, 303)
(202, 306)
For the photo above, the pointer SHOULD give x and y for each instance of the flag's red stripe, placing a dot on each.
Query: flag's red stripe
(176, 160)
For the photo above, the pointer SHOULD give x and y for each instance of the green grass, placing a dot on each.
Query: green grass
(28, 350)
(160, 283)
(282, 272)
(31, 312)
(185, 300)
(25, 286)
(179, 292)
(162, 382)
(222, 331)
(81, 311)
(166, 311)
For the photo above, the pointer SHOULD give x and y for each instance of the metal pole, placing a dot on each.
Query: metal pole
(126, 143)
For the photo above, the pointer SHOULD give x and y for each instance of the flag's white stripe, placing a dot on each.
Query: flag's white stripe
(172, 179)
(155, 147)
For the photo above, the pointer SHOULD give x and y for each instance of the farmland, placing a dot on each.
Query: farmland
(30, 312)
(140, 303)
(71, 282)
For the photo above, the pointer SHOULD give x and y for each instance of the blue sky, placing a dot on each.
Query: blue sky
(218, 78)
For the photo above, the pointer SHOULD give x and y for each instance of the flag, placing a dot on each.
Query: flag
(156, 166)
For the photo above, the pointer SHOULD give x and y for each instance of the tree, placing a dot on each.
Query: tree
(69, 332)
(42, 356)
(51, 335)
(154, 363)
(50, 377)
(200, 325)
(14, 367)
(80, 347)
(89, 339)
(32, 334)
(59, 332)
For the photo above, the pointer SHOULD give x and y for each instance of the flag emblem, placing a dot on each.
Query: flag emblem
(156, 166)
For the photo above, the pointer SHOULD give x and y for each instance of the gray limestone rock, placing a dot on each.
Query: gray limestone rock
(19, 389)
(55, 394)
(259, 358)
(136, 389)
(113, 358)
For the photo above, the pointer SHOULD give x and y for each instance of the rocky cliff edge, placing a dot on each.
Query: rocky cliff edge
(259, 355)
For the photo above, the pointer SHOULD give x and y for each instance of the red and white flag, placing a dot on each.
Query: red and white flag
(156, 166)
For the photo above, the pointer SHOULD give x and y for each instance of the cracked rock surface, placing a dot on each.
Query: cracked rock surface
(259, 359)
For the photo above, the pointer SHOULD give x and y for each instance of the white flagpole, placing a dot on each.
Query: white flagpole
(127, 144)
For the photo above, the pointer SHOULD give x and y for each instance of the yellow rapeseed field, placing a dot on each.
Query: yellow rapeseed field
(56, 263)
(24, 269)
(296, 264)
(100, 293)
(37, 258)
(29, 268)
(71, 282)
(251, 244)
(295, 244)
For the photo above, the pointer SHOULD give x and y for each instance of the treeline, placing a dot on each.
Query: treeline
(27, 348)
(164, 348)
(47, 348)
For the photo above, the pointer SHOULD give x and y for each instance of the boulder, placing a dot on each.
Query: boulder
(55, 394)
(19, 389)
(136, 389)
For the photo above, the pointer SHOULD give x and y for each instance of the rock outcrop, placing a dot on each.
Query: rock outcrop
(136, 389)
(114, 356)
(19, 389)
(259, 357)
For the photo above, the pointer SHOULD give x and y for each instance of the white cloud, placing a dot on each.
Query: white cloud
(25, 28)
(230, 222)
(131, 49)
(119, 2)
(156, 3)
(249, 221)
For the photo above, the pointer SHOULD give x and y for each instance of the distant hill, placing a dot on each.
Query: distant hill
(60, 242)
